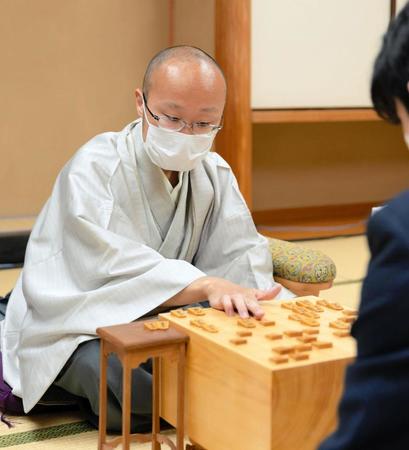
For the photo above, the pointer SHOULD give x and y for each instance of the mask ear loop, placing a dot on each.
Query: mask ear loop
(145, 116)
(144, 112)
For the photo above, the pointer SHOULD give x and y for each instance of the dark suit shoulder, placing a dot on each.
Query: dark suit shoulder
(384, 291)
(390, 226)
(395, 209)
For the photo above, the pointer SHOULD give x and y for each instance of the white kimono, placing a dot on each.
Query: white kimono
(112, 243)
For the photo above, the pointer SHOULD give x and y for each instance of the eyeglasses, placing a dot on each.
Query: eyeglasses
(175, 124)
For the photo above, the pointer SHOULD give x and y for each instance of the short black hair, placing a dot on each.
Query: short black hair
(391, 71)
(186, 52)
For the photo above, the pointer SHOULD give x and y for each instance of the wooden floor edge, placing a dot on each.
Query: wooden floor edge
(294, 216)
(317, 222)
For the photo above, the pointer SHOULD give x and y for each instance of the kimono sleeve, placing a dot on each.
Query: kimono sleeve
(82, 273)
(232, 248)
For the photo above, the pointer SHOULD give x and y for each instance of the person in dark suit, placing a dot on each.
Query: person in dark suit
(374, 409)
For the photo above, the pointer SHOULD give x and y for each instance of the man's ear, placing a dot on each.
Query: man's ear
(139, 101)
(407, 86)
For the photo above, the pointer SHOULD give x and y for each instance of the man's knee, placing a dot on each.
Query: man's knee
(80, 375)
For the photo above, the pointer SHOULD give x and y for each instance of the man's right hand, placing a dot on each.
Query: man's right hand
(225, 296)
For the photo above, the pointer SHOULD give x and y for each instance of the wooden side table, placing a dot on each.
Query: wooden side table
(134, 344)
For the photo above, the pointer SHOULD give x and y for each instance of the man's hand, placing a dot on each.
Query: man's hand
(227, 296)
(224, 295)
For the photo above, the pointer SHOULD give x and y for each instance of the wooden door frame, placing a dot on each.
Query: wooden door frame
(233, 53)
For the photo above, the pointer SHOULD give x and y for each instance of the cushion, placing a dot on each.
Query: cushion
(296, 263)
(9, 403)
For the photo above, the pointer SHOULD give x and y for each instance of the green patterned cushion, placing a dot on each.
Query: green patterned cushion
(296, 263)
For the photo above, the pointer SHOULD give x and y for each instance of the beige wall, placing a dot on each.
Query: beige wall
(194, 23)
(68, 71)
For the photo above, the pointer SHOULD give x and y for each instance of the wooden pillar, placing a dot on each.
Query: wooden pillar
(233, 41)
(393, 9)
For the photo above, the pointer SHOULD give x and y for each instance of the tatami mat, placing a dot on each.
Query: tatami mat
(347, 294)
(29, 423)
(55, 432)
(83, 441)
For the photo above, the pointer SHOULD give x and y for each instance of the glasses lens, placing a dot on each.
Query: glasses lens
(170, 124)
(203, 128)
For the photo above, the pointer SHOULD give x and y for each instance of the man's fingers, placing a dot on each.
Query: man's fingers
(240, 305)
(270, 294)
(254, 307)
(227, 305)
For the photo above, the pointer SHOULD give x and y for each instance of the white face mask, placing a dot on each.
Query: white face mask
(173, 150)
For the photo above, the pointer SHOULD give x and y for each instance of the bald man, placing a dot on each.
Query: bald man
(139, 220)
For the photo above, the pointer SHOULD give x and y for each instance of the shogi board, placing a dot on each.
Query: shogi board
(236, 398)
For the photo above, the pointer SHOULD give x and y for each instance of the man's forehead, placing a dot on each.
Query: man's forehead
(178, 106)
(192, 73)
(191, 67)
(186, 85)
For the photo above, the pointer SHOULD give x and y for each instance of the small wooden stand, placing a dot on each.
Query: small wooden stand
(134, 344)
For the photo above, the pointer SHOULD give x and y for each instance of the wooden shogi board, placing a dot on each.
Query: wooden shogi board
(237, 398)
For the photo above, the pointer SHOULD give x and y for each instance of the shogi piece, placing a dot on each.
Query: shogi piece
(293, 333)
(310, 331)
(244, 333)
(196, 311)
(134, 343)
(279, 359)
(246, 323)
(309, 305)
(341, 333)
(348, 319)
(267, 323)
(299, 356)
(265, 400)
(321, 344)
(310, 322)
(154, 325)
(340, 325)
(287, 305)
(274, 336)
(179, 313)
(331, 305)
(307, 339)
(303, 347)
(284, 350)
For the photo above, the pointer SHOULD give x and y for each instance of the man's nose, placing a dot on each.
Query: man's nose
(187, 128)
